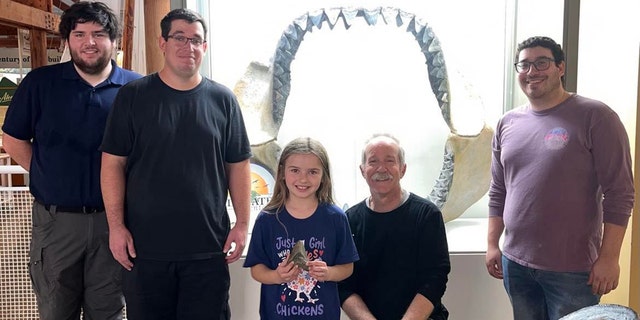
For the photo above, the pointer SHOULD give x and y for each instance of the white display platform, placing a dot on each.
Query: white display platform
(471, 292)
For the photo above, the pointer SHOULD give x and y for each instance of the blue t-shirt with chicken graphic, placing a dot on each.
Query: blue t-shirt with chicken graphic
(327, 237)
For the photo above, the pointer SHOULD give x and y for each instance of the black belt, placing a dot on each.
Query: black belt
(83, 209)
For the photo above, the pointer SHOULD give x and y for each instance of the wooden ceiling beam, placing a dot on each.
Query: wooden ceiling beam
(46, 5)
(18, 14)
(37, 16)
(12, 42)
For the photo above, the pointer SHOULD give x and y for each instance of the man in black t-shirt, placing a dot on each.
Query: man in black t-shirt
(174, 147)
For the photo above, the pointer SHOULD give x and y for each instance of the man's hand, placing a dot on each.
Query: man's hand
(493, 260)
(604, 275)
(121, 245)
(237, 236)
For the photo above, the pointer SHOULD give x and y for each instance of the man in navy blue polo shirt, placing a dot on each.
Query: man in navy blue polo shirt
(53, 129)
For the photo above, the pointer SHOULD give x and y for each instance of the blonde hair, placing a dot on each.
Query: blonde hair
(304, 145)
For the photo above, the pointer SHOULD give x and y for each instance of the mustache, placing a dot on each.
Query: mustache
(379, 176)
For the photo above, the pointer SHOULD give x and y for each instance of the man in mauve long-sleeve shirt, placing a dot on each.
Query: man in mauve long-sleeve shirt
(561, 169)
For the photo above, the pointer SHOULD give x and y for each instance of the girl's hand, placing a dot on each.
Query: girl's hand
(319, 270)
(287, 271)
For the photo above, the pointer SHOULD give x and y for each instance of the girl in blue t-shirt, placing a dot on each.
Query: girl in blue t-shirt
(302, 212)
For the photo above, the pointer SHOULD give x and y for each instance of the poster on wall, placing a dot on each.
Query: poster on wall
(262, 185)
(7, 89)
(10, 58)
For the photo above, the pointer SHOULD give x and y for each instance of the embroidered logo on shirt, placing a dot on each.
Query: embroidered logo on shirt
(556, 138)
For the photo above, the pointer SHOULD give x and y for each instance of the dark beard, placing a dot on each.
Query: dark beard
(91, 69)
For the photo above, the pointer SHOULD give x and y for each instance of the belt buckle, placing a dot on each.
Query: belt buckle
(86, 210)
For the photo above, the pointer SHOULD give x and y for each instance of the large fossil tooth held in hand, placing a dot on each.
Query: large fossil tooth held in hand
(298, 255)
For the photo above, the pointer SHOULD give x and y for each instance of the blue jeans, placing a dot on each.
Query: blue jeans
(545, 295)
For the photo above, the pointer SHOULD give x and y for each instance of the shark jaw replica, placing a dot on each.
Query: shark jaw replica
(263, 91)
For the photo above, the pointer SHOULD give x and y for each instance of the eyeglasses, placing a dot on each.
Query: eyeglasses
(540, 65)
(196, 42)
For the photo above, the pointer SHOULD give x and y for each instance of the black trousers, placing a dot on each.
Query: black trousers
(177, 290)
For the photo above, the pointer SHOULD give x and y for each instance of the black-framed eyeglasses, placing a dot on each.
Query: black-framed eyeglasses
(540, 65)
(196, 42)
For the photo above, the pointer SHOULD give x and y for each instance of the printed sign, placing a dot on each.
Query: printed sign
(9, 58)
(262, 185)
(7, 88)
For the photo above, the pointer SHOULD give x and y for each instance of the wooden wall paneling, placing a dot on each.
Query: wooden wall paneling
(127, 33)
(154, 11)
(38, 48)
(38, 37)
